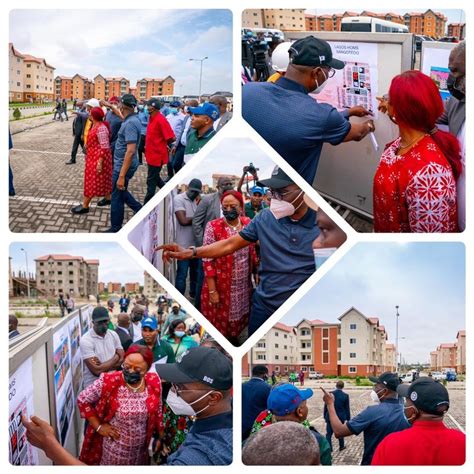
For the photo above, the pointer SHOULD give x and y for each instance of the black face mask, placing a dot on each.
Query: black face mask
(192, 195)
(452, 84)
(131, 377)
(137, 317)
(101, 329)
(231, 215)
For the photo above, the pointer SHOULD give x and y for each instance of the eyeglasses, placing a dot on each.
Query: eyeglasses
(179, 391)
(132, 369)
(277, 194)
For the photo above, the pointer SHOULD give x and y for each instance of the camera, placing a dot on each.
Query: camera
(251, 169)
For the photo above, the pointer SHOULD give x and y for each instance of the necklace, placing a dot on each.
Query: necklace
(136, 389)
(234, 227)
(416, 140)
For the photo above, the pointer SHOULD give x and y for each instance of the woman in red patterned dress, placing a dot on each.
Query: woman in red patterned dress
(124, 411)
(227, 288)
(415, 182)
(98, 170)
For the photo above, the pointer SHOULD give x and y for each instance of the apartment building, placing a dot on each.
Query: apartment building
(151, 288)
(458, 30)
(16, 74)
(461, 352)
(429, 23)
(132, 287)
(450, 355)
(253, 18)
(394, 17)
(101, 287)
(114, 287)
(310, 22)
(277, 350)
(150, 87)
(64, 87)
(283, 19)
(66, 274)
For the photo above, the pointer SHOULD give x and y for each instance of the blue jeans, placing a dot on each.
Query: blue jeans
(120, 198)
(258, 314)
(199, 283)
(182, 274)
(11, 188)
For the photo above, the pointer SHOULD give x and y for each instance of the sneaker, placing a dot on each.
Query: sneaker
(79, 209)
(104, 202)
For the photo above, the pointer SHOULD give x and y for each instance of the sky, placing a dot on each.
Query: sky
(230, 156)
(426, 280)
(454, 16)
(131, 43)
(115, 263)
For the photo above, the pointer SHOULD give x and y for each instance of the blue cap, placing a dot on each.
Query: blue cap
(151, 323)
(286, 398)
(175, 103)
(207, 108)
(258, 189)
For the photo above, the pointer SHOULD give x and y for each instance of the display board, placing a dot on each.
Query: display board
(434, 63)
(345, 172)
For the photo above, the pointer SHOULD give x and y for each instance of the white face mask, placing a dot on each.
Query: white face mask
(181, 407)
(282, 209)
(321, 255)
(374, 396)
(320, 87)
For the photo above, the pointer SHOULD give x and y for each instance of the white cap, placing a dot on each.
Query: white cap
(281, 57)
(93, 103)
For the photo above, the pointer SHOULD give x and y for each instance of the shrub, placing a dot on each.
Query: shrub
(16, 113)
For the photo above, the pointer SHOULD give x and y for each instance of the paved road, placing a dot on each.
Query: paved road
(359, 399)
(47, 188)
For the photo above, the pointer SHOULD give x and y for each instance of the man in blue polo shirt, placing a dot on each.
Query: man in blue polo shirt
(376, 421)
(285, 232)
(125, 163)
(291, 121)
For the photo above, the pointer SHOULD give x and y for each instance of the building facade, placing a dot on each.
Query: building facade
(283, 19)
(151, 288)
(114, 287)
(65, 274)
(16, 74)
(150, 87)
(252, 18)
(458, 30)
(101, 287)
(132, 287)
(429, 23)
(461, 352)
(64, 87)
(82, 87)
(310, 22)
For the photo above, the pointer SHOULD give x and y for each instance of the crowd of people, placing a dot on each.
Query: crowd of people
(156, 390)
(245, 253)
(419, 185)
(403, 426)
(120, 134)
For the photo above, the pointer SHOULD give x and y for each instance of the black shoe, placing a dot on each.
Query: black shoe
(79, 209)
(110, 230)
(104, 202)
(340, 449)
(70, 162)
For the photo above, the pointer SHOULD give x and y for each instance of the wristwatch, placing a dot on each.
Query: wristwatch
(194, 249)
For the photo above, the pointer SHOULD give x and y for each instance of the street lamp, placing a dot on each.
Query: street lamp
(200, 73)
(27, 273)
(396, 337)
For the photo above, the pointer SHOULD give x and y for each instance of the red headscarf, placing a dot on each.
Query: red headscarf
(237, 196)
(97, 114)
(143, 351)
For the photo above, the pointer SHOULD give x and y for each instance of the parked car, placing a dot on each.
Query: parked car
(409, 377)
(315, 375)
(438, 376)
(449, 39)
(451, 376)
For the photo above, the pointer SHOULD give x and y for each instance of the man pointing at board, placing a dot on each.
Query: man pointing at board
(291, 121)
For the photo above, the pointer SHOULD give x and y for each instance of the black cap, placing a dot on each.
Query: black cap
(129, 100)
(195, 185)
(100, 313)
(311, 51)
(389, 379)
(278, 180)
(426, 394)
(155, 103)
(199, 364)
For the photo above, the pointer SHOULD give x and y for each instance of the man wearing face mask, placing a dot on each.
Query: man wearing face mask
(124, 330)
(290, 120)
(185, 205)
(428, 441)
(454, 117)
(285, 233)
(101, 349)
(162, 351)
(201, 387)
(136, 315)
(376, 421)
(175, 313)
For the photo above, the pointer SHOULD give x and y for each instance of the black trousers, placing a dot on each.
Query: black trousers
(152, 181)
(75, 146)
(141, 148)
(178, 158)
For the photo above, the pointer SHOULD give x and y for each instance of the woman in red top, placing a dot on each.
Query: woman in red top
(124, 411)
(415, 182)
(98, 170)
(227, 288)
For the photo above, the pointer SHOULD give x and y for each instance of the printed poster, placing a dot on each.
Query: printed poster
(74, 329)
(357, 83)
(86, 315)
(20, 395)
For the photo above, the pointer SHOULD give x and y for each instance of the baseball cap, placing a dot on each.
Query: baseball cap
(150, 322)
(278, 180)
(285, 399)
(175, 103)
(311, 51)
(114, 100)
(100, 313)
(155, 103)
(426, 394)
(389, 379)
(93, 103)
(195, 185)
(199, 364)
(207, 108)
(257, 189)
(129, 100)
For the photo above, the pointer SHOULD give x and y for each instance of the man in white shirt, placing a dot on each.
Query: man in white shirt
(100, 348)
(137, 314)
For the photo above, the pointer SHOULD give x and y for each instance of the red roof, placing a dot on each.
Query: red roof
(15, 51)
(283, 327)
(64, 78)
(373, 320)
(318, 321)
(448, 345)
(92, 262)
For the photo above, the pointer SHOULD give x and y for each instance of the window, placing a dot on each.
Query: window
(352, 370)
(285, 347)
(276, 334)
(276, 346)
(71, 282)
(352, 340)
(353, 326)
(28, 65)
(286, 358)
(305, 332)
(277, 368)
(352, 355)
(18, 84)
(285, 336)
(60, 273)
(277, 357)
(304, 369)
(261, 357)
(28, 86)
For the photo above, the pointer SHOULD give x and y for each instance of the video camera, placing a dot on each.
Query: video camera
(255, 56)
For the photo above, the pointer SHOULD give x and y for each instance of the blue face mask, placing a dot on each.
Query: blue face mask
(321, 255)
(179, 333)
(173, 110)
